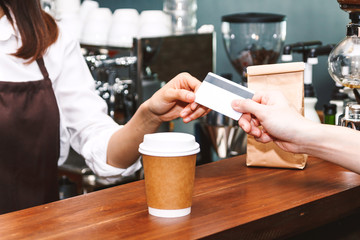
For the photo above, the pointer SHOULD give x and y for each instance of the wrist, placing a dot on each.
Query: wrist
(152, 120)
(310, 136)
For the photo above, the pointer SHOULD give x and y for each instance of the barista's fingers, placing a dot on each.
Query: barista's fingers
(191, 108)
(185, 80)
(199, 112)
(206, 112)
(173, 95)
(194, 106)
(186, 111)
(188, 115)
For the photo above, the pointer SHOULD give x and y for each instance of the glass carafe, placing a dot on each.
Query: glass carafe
(349, 5)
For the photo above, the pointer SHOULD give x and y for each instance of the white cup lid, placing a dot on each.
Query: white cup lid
(169, 144)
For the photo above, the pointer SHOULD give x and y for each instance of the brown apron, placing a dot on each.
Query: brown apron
(29, 143)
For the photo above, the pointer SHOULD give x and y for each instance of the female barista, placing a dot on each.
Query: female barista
(294, 133)
(47, 102)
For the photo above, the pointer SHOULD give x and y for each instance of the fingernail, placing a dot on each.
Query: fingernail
(183, 113)
(187, 119)
(193, 106)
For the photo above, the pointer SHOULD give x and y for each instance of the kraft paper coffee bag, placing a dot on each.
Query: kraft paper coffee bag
(289, 79)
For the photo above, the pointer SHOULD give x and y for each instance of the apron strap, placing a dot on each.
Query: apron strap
(44, 72)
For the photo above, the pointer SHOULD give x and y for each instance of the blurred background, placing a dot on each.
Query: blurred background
(307, 20)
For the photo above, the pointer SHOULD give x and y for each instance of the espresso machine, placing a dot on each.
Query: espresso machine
(114, 72)
(249, 39)
(344, 64)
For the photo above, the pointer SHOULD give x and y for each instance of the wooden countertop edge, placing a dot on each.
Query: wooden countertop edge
(286, 223)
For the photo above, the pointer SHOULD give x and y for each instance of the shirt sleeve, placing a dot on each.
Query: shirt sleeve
(83, 112)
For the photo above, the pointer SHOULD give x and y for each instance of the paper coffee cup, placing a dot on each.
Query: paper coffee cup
(169, 161)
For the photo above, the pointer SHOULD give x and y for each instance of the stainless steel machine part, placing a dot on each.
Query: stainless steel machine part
(351, 117)
(227, 138)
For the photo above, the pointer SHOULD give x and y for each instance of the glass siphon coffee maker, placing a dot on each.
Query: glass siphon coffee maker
(253, 39)
(344, 63)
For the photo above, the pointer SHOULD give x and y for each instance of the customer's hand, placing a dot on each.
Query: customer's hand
(176, 99)
(268, 117)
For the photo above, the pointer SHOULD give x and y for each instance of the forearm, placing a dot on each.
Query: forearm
(336, 144)
(123, 145)
(175, 99)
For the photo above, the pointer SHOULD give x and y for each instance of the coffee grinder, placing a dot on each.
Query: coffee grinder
(253, 39)
(344, 63)
(249, 39)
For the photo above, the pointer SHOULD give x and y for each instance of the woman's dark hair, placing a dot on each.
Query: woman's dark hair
(38, 29)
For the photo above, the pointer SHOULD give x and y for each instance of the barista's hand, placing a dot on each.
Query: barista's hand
(176, 99)
(268, 117)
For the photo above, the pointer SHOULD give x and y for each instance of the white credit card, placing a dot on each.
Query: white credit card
(217, 93)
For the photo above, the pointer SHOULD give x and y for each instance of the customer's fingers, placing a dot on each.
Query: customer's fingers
(247, 106)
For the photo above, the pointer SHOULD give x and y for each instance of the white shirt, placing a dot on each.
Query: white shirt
(84, 123)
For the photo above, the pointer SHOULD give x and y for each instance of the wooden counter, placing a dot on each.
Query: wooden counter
(230, 201)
